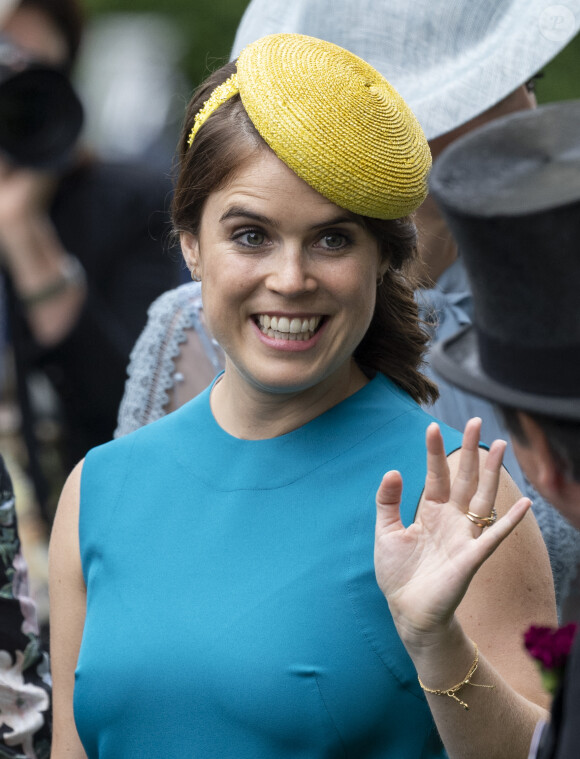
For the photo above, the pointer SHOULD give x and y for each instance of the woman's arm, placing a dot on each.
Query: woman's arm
(67, 615)
(444, 598)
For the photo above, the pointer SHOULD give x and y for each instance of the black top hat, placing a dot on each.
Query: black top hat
(510, 193)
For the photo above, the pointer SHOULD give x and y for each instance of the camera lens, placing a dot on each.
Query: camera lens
(40, 117)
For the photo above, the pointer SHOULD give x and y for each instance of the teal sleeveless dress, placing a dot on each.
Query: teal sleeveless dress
(232, 605)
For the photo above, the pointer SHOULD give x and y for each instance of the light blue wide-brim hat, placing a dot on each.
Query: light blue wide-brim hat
(449, 59)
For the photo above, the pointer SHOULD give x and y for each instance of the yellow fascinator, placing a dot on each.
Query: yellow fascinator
(332, 119)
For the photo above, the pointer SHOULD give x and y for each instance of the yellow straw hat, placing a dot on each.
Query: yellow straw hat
(332, 119)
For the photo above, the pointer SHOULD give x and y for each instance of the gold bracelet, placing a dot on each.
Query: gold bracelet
(466, 681)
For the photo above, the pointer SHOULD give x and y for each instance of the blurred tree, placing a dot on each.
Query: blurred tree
(209, 27)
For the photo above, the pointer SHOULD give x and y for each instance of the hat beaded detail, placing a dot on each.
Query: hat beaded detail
(224, 92)
(335, 121)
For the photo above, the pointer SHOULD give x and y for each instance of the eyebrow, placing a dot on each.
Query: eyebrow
(236, 211)
(240, 211)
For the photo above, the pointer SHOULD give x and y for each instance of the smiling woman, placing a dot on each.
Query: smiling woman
(274, 256)
(271, 628)
(271, 214)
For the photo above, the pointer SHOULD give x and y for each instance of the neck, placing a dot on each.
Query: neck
(252, 413)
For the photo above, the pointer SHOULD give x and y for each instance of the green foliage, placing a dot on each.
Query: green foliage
(561, 80)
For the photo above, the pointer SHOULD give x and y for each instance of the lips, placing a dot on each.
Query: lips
(288, 328)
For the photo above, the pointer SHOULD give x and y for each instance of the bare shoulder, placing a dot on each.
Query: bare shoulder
(512, 590)
(71, 491)
(64, 550)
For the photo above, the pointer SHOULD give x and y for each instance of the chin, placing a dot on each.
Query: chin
(284, 385)
(286, 382)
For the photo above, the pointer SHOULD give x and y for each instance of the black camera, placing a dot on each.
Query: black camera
(40, 113)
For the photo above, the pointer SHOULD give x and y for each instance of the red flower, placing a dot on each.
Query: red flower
(550, 647)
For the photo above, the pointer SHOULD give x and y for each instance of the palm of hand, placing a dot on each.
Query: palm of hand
(424, 570)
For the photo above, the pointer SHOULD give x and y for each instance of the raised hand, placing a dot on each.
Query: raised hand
(425, 569)
(24, 194)
(46, 278)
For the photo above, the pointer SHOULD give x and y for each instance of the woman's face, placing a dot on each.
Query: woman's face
(288, 278)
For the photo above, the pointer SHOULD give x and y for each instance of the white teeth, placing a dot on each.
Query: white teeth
(282, 327)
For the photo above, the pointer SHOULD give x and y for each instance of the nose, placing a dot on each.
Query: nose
(291, 273)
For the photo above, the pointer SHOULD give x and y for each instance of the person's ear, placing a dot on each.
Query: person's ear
(382, 269)
(190, 249)
(548, 476)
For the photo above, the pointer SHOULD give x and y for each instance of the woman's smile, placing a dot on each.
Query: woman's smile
(290, 333)
(288, 278)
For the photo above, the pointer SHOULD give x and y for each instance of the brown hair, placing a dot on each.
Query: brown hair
(395, 341)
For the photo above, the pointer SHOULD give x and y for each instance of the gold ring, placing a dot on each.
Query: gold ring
(482, 521)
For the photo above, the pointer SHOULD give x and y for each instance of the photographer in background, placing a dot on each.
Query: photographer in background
(81, 257)
(82, 253)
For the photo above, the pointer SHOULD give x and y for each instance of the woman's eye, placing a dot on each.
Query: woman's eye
(251, 238)
(334, 240)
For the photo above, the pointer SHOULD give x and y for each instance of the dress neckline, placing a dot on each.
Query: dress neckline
(243, 463)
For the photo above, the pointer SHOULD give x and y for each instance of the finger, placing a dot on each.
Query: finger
(389, 501)
(484, 499)
(437, 481)
(466, 478)
(493, 536)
